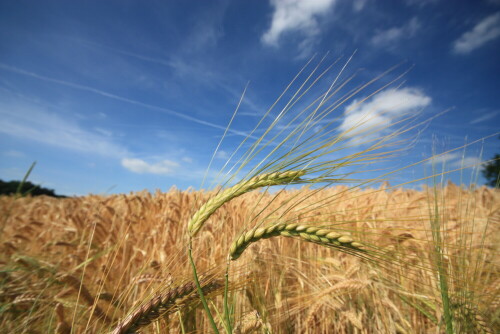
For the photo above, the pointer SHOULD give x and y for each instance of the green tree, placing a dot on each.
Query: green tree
(491, 171)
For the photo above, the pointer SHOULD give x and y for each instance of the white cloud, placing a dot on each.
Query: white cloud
(358, 5)
(454, 160)
(381, 110)
(115, 97)
(483, 32)
(484, 117)
(222, 155)
(392, 35)
(36, 124)
(443, 159)
(295, 15)
(14, 154)
(468, 162)
(139, 166)
(103, 132)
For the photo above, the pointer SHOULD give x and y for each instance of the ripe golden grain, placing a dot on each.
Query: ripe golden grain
(291, 276)
(161, 305)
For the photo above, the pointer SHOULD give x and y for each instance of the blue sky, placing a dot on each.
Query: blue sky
(120, 96)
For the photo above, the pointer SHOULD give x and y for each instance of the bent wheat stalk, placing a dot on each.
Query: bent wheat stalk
(326, 237)
(84, 292)
(259, 181)
(161, 305)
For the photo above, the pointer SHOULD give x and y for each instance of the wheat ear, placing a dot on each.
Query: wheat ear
(161, 305)
(314, 234)
(259, 181)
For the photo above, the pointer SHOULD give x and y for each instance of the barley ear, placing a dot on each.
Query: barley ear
(314, 234)
(259, 181)
(161, 305)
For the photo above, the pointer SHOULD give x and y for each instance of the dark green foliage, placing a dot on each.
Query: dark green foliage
(491, 171)
(19, 187)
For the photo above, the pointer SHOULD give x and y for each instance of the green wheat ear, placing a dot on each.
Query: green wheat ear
(265, 180)
(322, 236)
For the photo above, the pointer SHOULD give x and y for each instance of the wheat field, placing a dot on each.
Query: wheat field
(83, 264)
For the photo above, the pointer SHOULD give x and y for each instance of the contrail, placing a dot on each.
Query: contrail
(117, 97)
(127, 53)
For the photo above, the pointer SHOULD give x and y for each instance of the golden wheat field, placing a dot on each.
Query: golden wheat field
(83, 264)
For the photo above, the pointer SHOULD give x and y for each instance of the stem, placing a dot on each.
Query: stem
(442, 273)
(181, 322)
(226, 289)
(200, 291)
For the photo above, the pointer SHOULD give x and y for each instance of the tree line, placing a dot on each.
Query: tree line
(25, 188)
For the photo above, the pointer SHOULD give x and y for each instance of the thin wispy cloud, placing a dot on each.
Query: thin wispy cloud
(468, 162)
(152, 94)
(35, 124)
(182, 68)
(359, 5)
(485, 117)
(150, 59)
(444, 159)
(296, 16)
(14, 154)
(380, 111)
(454, 160)
(118, 98)
(485, 31)
(393, 35)
(221, 154)
(164, 167)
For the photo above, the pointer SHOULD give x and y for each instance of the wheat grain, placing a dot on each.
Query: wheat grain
(320, 273)
(26, 298)
(161, 305)
(249, 323)
(264, 180)
(314, 234)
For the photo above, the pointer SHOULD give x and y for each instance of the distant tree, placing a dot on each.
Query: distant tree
(491, 171)
(13, 187)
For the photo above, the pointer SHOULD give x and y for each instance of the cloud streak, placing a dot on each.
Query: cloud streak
(395, 34)
(118, 98)
(485, 117)
(164, 167)
(38, 125)
(454, 160)
(483, 32)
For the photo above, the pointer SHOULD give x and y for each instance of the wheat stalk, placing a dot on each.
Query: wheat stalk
(84, 292)
(259, 181)
(62, 325)
(326, 237)
(161, 305)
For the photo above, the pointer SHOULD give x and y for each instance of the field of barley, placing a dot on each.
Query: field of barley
(118, 263)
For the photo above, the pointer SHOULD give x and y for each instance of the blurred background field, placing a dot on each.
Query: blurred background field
(85, 262)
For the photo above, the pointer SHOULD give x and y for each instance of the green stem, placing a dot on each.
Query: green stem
(200, 291)
(442, 272)
(443, 283)
(226, 307)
